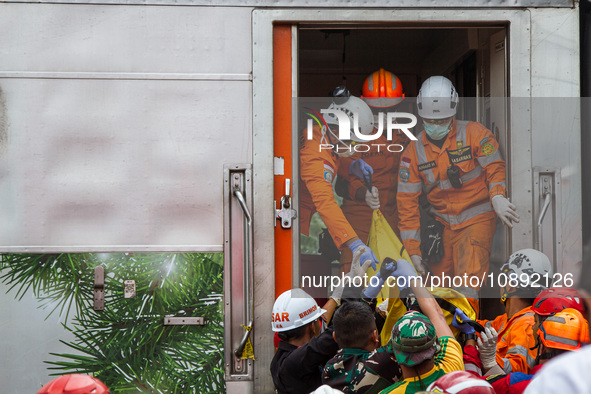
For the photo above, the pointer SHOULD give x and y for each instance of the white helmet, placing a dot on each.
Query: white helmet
(294, 308)
(437, 99)
(525, 263)
(359, 114)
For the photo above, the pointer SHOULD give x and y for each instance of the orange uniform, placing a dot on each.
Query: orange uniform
(423, 167)
(384, 164)
(516, 338)
(318, 169)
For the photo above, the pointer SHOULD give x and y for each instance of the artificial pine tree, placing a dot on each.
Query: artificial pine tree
(127, 345)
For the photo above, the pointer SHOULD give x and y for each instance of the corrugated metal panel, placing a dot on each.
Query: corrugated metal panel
(346, 4)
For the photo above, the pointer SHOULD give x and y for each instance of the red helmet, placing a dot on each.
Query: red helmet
(74, 384)
(461, 382)
(555, 299)
(382, 89)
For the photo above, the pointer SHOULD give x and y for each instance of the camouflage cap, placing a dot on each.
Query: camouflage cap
(413, 339)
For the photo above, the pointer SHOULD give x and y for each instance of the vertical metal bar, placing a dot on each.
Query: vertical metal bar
(238, 275)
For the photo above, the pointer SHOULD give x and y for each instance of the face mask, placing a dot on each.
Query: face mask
(437, 131)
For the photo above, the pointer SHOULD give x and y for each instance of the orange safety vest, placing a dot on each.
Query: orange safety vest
(423, 167)
(318, 169)
(516, 338)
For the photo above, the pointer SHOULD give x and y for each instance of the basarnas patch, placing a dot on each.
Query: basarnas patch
(404, 174)
(488, 149)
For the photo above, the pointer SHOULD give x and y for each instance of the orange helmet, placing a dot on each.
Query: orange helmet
(74, 384)
(566, 330)
(382, 89)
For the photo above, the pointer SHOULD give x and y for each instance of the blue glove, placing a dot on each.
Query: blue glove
(404, 269)
(463, 327)
(386, 269)
(368, 255)
(360, 169)
(373, 289)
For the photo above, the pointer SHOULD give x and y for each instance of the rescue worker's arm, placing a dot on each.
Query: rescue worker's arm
(519, 340)
(409, 189)
(432, 310)
(489, 157)
(318, 175)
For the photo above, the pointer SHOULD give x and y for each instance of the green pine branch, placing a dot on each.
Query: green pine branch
(127, 345)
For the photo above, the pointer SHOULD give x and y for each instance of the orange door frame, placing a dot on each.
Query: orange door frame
(282, 147)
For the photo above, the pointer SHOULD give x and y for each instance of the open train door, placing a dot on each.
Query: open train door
(495, 55)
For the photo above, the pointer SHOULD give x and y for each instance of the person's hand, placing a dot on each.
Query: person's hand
(505, 210)
(460, 316)
(367, 255)
(487, 347)
(404, 269)
(360, 169)
(372, 199)
(417, 262)
(358, 267)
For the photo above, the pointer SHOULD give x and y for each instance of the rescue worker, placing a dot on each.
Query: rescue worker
(423, 344)
(568, 373)
(318, 168)
(382, 91)
(361, 363)
(459, 166)
(516, 339)
(562, 332)
(74, 384)
(304, 347)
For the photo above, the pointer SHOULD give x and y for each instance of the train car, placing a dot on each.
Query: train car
(171, 128)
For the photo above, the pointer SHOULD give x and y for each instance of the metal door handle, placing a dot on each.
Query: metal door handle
(547, 201)
(247, 264)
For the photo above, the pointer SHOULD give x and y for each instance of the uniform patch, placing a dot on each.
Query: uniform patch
(488, 149)
(460, 155)
(404, 174)
(426, 166)
(483, 140)
(459, 144)
(328, 175)
(405, 162)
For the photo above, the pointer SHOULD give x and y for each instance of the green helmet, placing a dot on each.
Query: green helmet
(413, 339)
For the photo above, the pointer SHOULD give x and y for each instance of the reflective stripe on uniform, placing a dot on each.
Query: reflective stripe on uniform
(486, 160)
(409, 187)
(495, 184)
(473, 368)
(466, 215)
(507, 367)
(461, 128)
(522, 351)
(410, 234)
(422, 159)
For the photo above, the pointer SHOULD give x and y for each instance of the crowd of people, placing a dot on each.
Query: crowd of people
(338, 347)
(445, 190)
